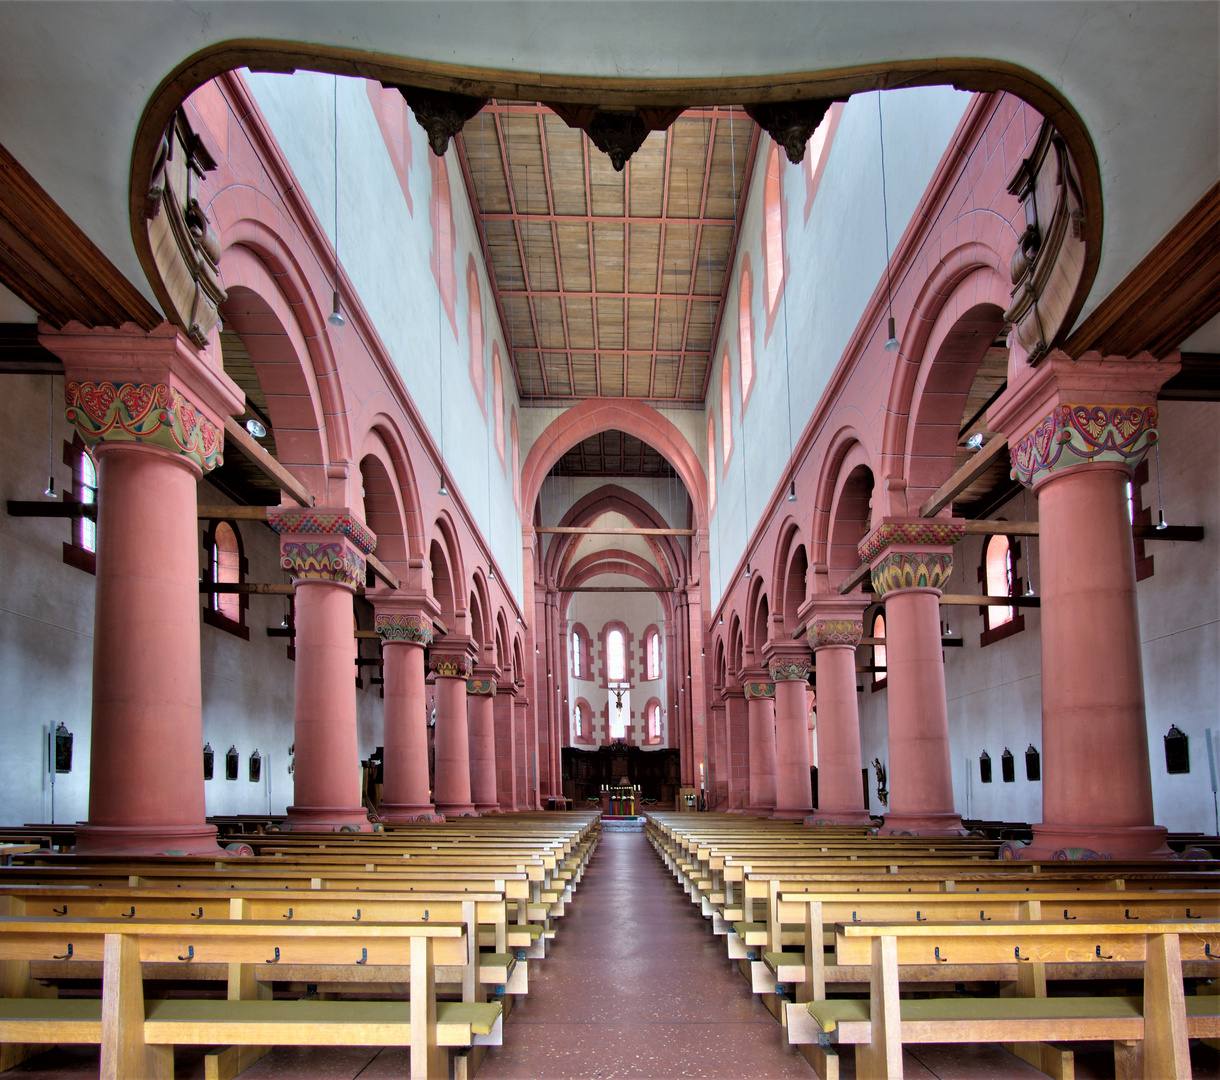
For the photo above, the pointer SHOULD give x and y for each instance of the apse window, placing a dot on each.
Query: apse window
(578, 671)
(578, 722)
(652, 652)
(654, 723)
(616, 656)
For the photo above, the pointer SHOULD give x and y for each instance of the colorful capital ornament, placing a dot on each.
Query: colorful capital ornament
(331, 522)
(788, 670)
(415, 629)
(1083, 434)
(919, 533)
(334, 560)
(455, 665)
(481, 687)
(153, 413)
(759, 689)
(911, 570)
(834, 632)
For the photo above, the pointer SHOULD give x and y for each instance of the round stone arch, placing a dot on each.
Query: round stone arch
(448, 575)
(382, 438)
(790, 568)
(256, 259)
(641, 513)
(758, 614)
(595, 415)
(961, 301)
(849, 482)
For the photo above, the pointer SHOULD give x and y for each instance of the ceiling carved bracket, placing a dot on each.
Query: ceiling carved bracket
(184, 245)
(790, 123)
(617, 133)
(440, 114)
(1049, 261)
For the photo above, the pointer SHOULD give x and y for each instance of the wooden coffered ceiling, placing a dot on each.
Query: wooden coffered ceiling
(609, 284)
(614, 453)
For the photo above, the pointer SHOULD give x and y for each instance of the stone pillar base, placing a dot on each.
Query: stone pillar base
(402, 814)
(456, 810)
(487, 808)
(839, 817)
(146, 840)
(923, 825)
(1097, 842)
(329, 819)
(761, 811)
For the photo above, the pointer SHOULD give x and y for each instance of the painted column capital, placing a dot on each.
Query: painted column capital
(787, 661)
(757, 683)
(400, 617)
(453, 665)
(1074, 434)
(913, 554)
(323, 544)
(127, 385)
(824, 631)
(480, 687)
(1094, 410)
(412, 629)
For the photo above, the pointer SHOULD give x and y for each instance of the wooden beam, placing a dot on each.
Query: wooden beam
(862, 574)
(580, 530)
(382, 571)
(612, 588)
(964, 477)
(247, 588)
(220, 512)
(966, 600)
(68, 508)
(1170, 532)
(1004, 528)
(265, 463)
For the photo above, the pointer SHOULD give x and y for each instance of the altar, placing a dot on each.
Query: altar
(619, 800)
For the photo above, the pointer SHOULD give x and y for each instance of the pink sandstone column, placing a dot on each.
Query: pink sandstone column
(788, 666)
(480, 711)
(323, 548)
(910, 561)
(452, 669)
(152, 408)
(760, 710)
(1077, 431)
(406, 630)
(506, 745)
(834, 632)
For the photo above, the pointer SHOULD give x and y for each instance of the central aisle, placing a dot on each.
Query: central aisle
(637, 986)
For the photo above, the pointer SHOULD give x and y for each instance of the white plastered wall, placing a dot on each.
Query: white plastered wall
(835, 260)
(385, 250)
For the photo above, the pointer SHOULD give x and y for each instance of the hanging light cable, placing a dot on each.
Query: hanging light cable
(50, 446)
(891, 343)
(336, 316)
(440, 386)
(1161, 523)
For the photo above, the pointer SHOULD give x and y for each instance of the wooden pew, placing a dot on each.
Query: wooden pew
(137, 1036)
(1162, 1020)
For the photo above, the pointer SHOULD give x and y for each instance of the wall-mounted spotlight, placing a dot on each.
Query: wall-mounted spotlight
(975, 442)
(255, 428)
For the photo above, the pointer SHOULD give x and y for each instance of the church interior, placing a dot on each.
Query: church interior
(845, 524)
